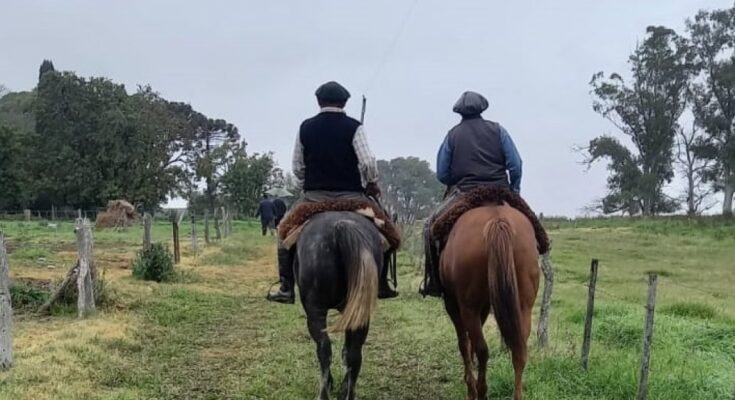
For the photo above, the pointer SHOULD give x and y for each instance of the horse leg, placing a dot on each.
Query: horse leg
(464, 345)
(473, 322)
(317, 323)
(352, 358)
(528, 284)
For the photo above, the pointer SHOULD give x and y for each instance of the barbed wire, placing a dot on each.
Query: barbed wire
(704, 290)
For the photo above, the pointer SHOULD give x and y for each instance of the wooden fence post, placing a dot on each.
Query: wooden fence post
(543, 322)
(206, 226)
(85, 281)
(194, 244)
(177, 248)
(223, 214)
(6, 310)
(590, 312)
(647, 338)
(217, 231)
(147, 224)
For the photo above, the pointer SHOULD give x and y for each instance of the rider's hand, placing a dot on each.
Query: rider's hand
(373, 190)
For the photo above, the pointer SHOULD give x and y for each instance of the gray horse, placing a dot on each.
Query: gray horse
(339, 255)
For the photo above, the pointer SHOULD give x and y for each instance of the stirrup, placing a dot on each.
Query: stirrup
(280, 296)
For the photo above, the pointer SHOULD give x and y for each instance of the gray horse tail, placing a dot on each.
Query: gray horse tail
(362, 277)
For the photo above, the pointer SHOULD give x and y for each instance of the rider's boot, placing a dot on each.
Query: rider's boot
(385, 291)
(285, 293)
(432, 286)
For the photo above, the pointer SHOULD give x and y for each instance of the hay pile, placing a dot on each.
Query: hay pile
(119, 214)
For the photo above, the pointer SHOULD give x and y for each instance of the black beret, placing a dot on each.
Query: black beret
(470, 103)
(332, 92)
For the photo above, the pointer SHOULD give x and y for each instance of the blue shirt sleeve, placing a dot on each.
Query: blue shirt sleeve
(513, 162)
(444, 163)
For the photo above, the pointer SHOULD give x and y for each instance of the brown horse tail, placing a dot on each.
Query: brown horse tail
(503, 282)
(362, 277)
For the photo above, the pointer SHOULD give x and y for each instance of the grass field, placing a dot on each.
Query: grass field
(211, 335)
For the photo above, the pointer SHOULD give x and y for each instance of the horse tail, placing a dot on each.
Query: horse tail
(503, 282)
(362, 277)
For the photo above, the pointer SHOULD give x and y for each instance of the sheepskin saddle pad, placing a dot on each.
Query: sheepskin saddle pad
(290, 228)
(482, 196)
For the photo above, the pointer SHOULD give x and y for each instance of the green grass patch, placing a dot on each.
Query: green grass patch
(690, 310)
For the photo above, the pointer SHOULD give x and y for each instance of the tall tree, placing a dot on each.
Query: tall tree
(76, 122)
(216, 141)
(46, 66)
(410, 187)
(694, 167)
(161, 140)
(14, 177)
(246, 178)
(713, 39)
(647, 110)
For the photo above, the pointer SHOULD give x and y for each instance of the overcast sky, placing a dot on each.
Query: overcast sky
(257, 64)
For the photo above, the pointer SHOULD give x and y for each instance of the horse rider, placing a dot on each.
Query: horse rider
(334, 162)
(476, 152)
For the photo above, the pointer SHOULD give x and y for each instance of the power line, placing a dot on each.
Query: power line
(392, 45)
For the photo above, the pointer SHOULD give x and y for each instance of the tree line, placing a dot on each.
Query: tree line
(78, 142)
(677, 107)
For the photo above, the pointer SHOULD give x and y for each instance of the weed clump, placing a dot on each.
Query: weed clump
(27, 295)
(154, 264)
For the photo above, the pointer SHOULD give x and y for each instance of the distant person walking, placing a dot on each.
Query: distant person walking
(279, 206)
(267, 214)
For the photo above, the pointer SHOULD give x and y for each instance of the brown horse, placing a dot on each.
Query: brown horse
(490, 262)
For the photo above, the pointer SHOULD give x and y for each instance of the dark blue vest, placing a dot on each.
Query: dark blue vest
(478, 155)
(329, 156)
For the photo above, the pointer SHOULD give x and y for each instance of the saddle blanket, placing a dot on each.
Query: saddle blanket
(290, 228)
(482, 196)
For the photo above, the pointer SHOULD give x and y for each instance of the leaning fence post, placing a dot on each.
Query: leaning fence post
(590, 312)
(147, 222)
(543, 322)
(647, 338)
(6, 310)
(85, 281)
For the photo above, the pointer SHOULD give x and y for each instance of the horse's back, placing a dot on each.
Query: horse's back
(464, 262)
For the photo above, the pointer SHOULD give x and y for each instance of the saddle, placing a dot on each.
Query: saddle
(482, 196)
(291, 226)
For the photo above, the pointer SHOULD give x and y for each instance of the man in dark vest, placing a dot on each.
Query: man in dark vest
(333, 160)
(267, 214)
(476, 152)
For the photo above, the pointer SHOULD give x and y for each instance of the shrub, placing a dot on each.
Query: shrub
(27, 295)
(154, 264)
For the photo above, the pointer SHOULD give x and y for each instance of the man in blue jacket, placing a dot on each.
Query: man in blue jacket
(476, 152)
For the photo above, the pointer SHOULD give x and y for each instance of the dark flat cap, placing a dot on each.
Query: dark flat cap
(332, 92)
(470, 103)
